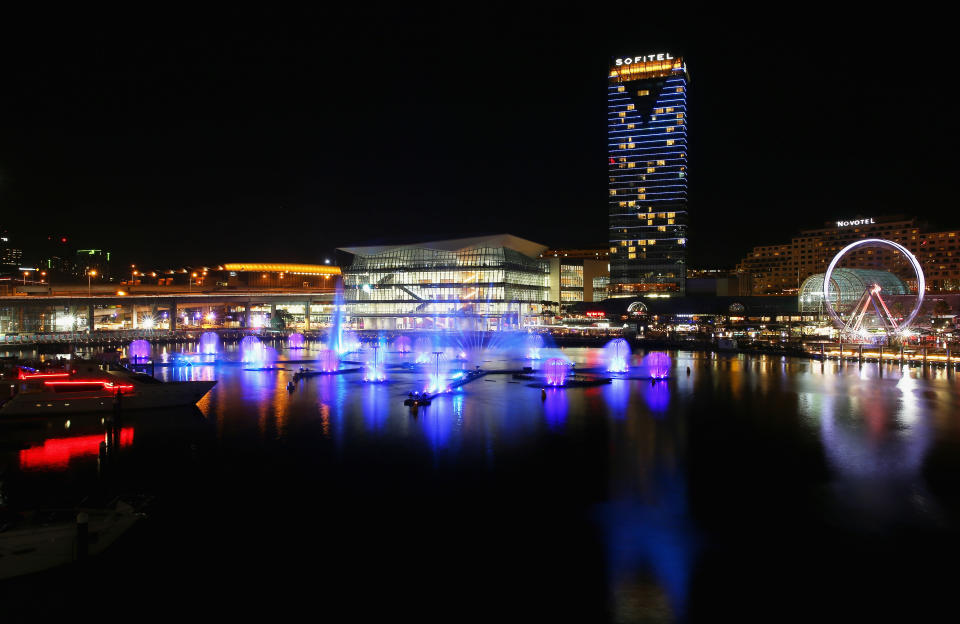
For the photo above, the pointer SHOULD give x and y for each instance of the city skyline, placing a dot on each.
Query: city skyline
(227, 135)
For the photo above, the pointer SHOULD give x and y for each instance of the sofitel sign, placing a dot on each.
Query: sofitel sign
(663, 56)
(856, 222)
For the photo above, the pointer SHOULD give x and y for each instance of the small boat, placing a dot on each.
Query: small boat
(416, 399)
(35, 541)
(726, 344)
(86, 387)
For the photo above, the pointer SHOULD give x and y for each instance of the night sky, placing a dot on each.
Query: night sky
(182, 141)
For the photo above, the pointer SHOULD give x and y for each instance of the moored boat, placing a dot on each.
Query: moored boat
(85, 387)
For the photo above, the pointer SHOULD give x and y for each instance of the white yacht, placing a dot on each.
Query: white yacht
(86, 387)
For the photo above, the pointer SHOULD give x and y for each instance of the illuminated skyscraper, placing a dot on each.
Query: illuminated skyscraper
(647, 132)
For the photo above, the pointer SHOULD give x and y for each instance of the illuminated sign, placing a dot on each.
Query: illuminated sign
(663, 56)
(869, 221)
(596, 314)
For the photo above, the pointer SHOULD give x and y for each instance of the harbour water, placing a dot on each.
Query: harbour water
(749, 488)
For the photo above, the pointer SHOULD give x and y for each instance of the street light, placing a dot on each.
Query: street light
(190, 282)
(25, 274)
(89, 275)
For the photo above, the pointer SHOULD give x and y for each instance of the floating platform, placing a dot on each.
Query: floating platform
(574, 382)
(314, 373)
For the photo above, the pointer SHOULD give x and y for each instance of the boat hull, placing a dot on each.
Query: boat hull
(35, 549)
(145, 396)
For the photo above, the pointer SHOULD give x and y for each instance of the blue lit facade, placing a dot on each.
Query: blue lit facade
(647, 160)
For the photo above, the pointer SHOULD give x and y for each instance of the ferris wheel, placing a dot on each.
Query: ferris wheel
(871, 297)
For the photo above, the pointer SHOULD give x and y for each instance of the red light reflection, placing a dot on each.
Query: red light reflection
(57, 452)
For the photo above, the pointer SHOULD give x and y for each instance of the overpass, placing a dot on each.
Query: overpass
(151, 307)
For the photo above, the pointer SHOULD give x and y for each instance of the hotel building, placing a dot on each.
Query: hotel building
(577, 275)
(647, 162)
(781, 269)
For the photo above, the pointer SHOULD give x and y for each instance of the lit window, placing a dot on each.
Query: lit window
(671, 215)
(631, 256)
(622, 114)
(613, 191)
(679, 115)
(652, 169)
(670, 110)
(630, 107)
(670, 129)
(679, 89)
(613, 250)
(631, 248)
(669, 141)
(630, 166)
(661, 228)
(620, 89)
(642, 92)
(631, 145)
(670, 221)
(659, 111)
(631, 126)
(622, 204)
(641, 196)
(661, 162)
(682, 241)
(631, 203)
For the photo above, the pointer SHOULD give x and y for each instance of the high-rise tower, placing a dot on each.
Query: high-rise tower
(647, 139)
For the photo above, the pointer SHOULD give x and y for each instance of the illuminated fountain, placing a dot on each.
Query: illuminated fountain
(329, 361)
(295, 341)
(373, 370)
(339, 340)
(209, 343)
(423, 348)
(534, 346)
(556, 370)
(617, 356)
(402, 344)
(254, 352)
(139, 350)
(437, 381)
(657, 365)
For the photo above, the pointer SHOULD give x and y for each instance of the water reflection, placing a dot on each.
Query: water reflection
(555, 406)
(621, 454)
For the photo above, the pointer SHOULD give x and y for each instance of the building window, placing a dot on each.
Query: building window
(641, 92)
(669, 141)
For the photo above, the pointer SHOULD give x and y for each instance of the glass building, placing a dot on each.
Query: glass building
(647, 161)
(482, 283)
(846, 288)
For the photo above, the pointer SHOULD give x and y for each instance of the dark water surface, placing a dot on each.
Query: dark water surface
(751, 489)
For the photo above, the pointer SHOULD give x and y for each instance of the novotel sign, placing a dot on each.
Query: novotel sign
(855, 222)
(663, 56)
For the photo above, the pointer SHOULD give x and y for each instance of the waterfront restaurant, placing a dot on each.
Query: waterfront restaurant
(482, 283)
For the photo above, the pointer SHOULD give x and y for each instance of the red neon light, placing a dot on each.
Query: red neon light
(57, 452)
(23, 375)
(108, 385)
